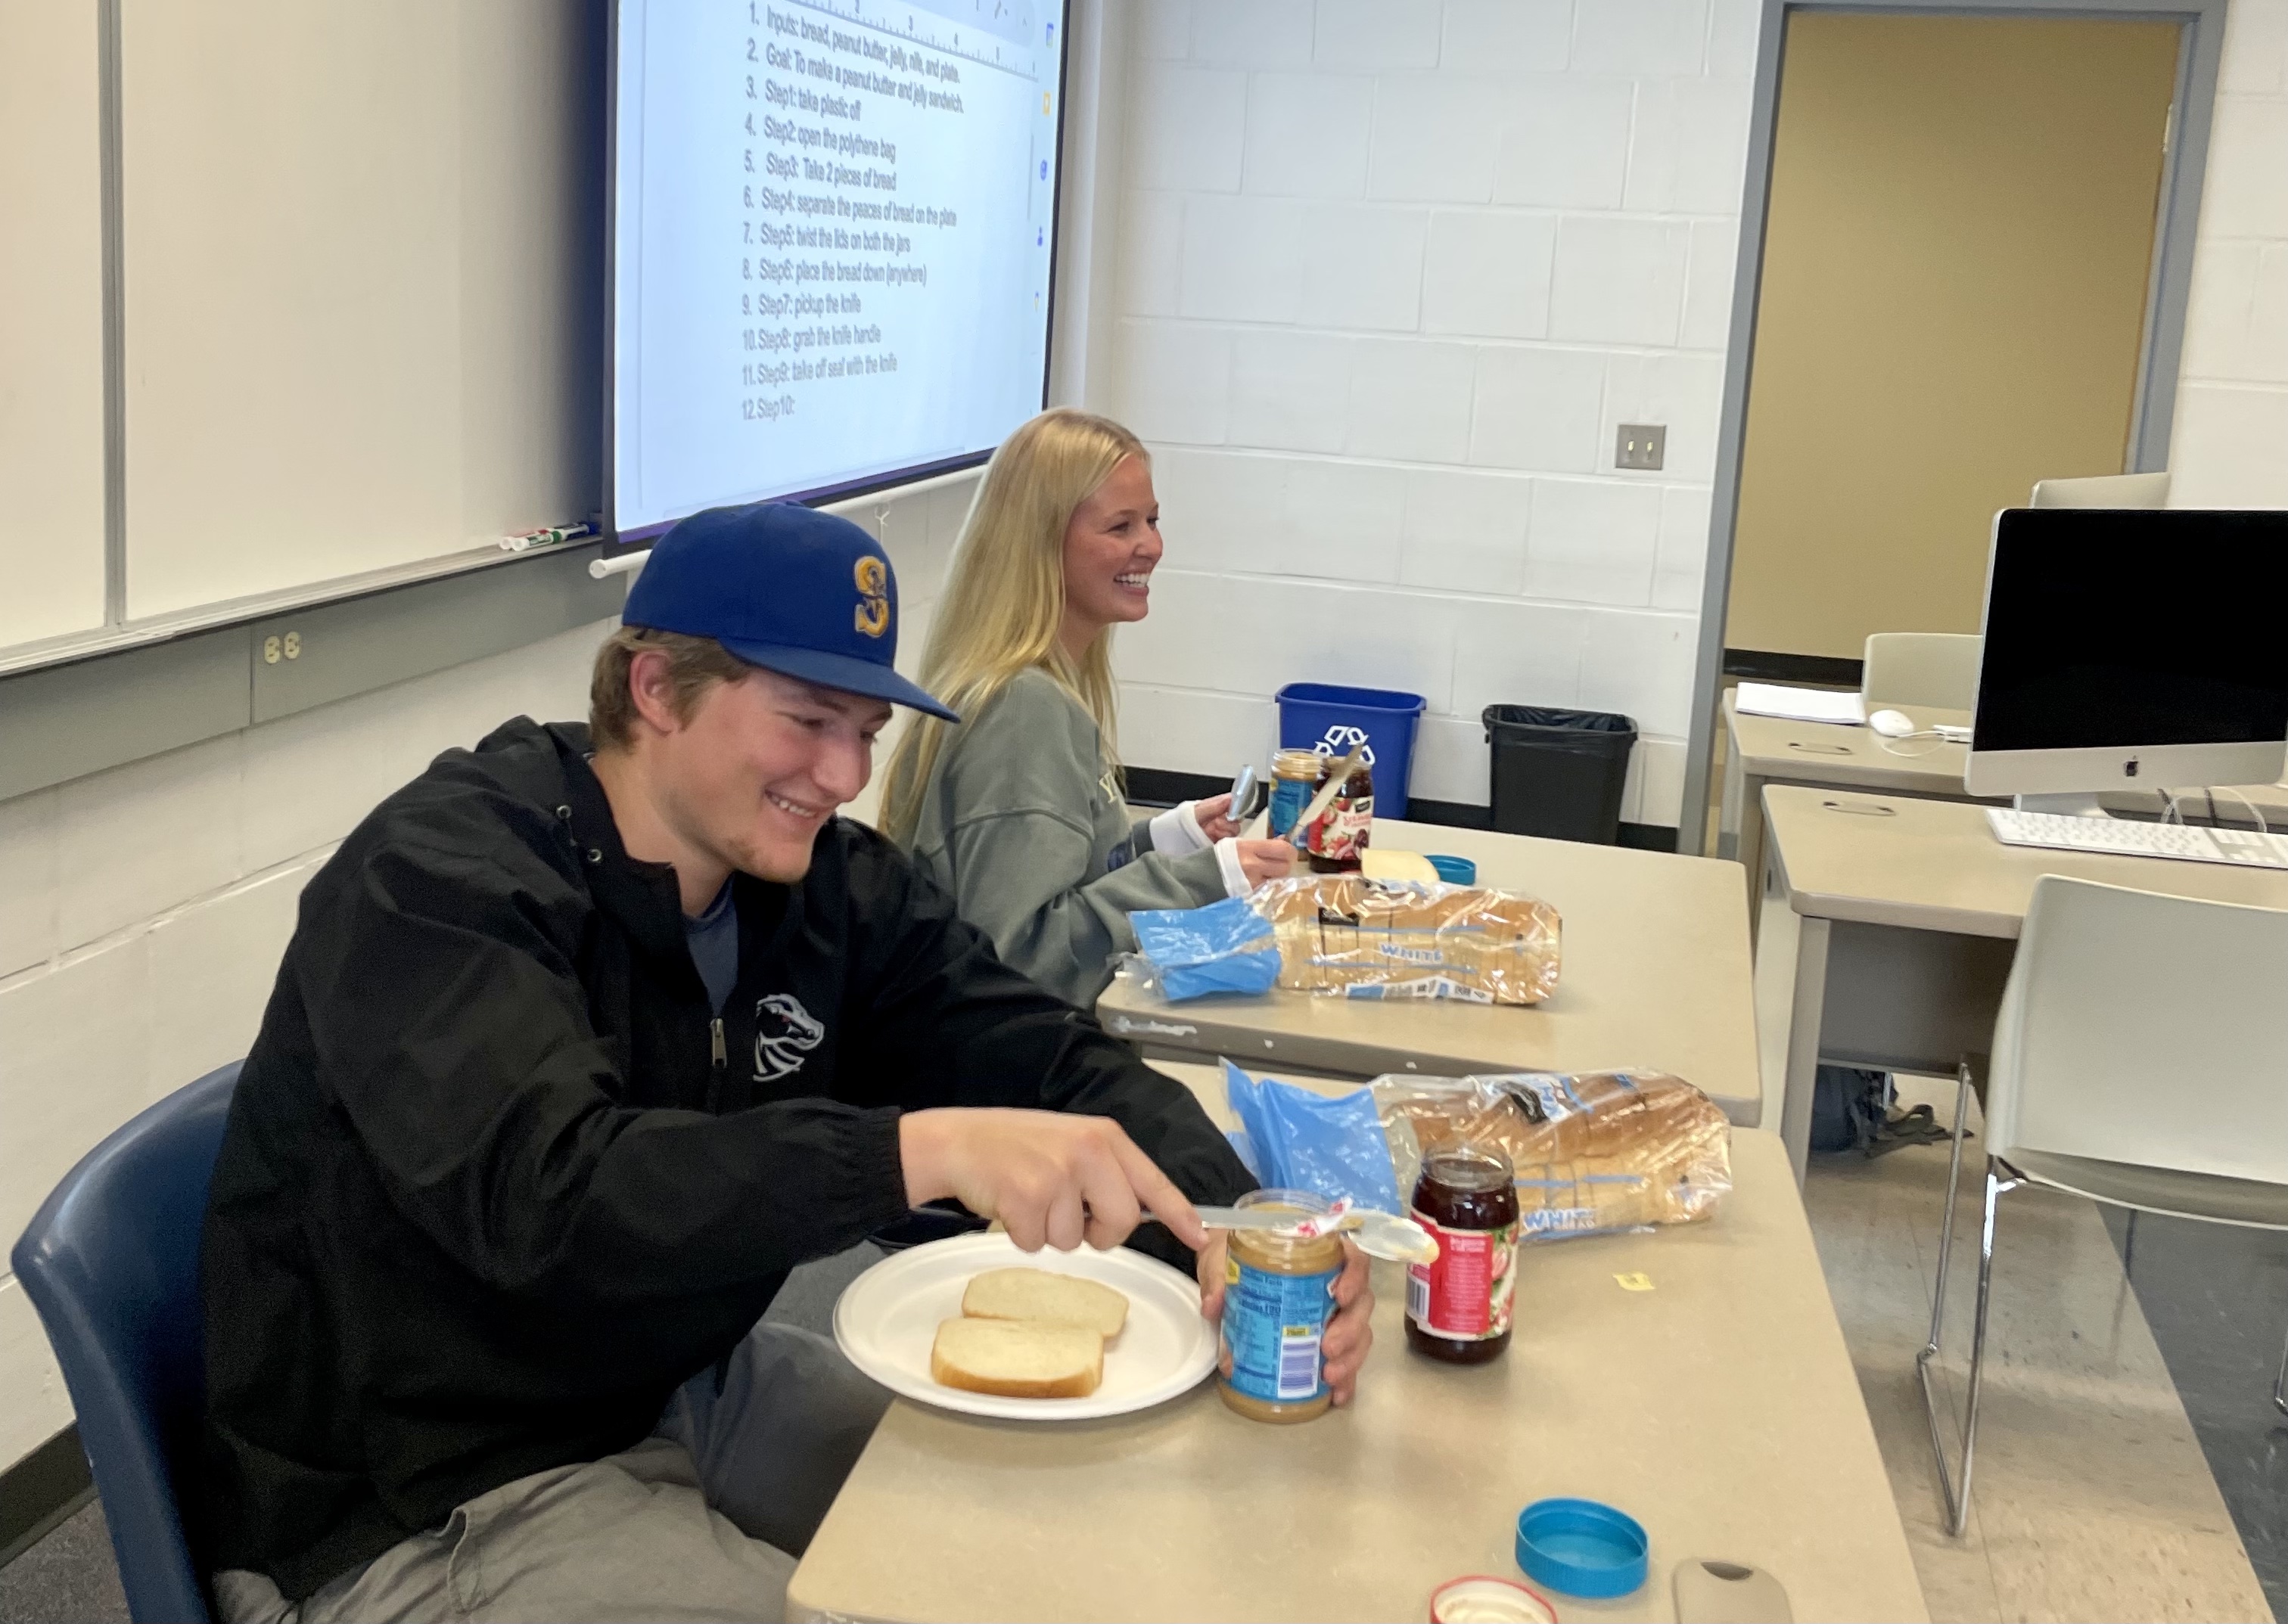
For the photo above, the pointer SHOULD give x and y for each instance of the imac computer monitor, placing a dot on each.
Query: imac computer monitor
(2131, 650)
(2103, 490)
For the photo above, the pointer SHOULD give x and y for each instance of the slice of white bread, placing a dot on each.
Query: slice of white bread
(1036, 1293)
(1018, 1359)
(1380, 863)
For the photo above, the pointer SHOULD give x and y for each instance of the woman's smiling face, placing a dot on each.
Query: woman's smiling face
(1112, 546)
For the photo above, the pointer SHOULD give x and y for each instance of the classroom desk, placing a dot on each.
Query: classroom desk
(1765, 750)
(1655, 974)
(1720, 1407)
(1888, 925)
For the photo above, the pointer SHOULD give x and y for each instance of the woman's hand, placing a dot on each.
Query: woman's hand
(1265, 860)
(1213, 817)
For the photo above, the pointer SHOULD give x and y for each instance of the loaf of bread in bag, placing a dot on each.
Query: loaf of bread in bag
(1343, 934)
(1592, 1151)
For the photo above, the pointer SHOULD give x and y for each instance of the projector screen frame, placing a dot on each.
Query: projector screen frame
(617, 544)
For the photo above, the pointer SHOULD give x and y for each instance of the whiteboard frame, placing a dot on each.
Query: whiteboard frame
(118, 634)
(80, 646)
(111, 138)
(155, 688)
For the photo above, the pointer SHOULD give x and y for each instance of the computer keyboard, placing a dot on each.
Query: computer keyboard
(2125, 837)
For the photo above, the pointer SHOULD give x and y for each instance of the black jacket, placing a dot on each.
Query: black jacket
(495, 1182)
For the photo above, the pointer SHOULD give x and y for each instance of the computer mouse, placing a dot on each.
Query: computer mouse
(1891, 724)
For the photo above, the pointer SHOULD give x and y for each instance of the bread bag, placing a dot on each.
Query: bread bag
(1346, 935)
(1593, 1153)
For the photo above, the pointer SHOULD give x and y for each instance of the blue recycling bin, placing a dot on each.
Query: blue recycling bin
(1330, 718)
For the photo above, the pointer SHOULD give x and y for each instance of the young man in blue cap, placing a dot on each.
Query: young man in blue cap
(587, 1037)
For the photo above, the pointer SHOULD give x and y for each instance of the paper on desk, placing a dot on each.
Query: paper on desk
(1763, 699)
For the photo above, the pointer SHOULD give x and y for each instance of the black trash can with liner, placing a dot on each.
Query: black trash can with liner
(1558, 773)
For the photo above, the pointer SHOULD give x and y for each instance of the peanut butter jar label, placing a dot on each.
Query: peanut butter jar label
(1272, 1326)
(1465, 1294)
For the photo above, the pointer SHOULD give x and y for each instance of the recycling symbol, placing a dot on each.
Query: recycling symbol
(1340, 739)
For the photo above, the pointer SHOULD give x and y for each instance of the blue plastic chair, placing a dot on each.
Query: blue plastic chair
(111, 1261)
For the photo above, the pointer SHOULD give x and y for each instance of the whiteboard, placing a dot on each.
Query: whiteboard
(51, 321)
(363, 309)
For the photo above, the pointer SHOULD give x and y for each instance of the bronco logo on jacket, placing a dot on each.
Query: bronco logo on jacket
(784, 1033)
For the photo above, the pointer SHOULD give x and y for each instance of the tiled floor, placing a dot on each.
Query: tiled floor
(2093, 1497)
(69, 1574)
(2217, 1299)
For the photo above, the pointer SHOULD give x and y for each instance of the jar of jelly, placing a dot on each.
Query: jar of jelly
(1458, 1309)
(1336, 841)
(1279, 1293)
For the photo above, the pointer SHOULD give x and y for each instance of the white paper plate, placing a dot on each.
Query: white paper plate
(888, 1317)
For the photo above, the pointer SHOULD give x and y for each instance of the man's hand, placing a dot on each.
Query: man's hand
(1348, 1334)
(1052, 1177)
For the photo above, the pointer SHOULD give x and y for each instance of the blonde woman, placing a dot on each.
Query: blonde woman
(1017, 809)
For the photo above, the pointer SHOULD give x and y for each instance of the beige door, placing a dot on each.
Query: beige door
(1958, 244)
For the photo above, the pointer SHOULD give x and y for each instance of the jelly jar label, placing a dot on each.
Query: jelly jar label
(1465, 1294)
(1341, 831)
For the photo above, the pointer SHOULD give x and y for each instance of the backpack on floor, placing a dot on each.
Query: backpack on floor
(1851, 1111)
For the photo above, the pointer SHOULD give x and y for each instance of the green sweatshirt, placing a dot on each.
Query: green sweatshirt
(1023, 823)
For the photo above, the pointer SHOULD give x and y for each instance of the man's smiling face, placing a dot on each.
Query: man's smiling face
(760, 766)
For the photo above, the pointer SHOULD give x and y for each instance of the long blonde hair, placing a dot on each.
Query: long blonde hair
(1004, 597)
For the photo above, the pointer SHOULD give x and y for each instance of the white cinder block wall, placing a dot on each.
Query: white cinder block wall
(143, 910)
(2230, 443)
(1393, 272)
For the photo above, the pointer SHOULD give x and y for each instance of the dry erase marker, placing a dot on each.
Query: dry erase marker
(546, 537)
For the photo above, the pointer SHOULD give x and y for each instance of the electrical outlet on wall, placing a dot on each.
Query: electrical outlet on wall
(1640, 445)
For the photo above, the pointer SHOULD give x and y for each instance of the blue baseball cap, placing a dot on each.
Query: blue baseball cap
(787, 587)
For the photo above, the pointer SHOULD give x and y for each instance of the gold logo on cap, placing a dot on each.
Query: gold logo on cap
(873, 596)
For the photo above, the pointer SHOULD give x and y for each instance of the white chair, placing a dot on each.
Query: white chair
(2141, 1058)
(2104, 490)
(1938, 670)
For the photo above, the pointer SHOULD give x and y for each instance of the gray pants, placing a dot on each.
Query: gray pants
(702, 1520)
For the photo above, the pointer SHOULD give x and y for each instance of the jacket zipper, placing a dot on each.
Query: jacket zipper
(715, 1081)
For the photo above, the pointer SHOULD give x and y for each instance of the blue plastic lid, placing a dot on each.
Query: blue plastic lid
(1455, 870)
(1581, 1547)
